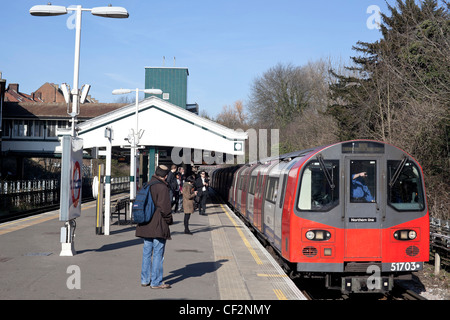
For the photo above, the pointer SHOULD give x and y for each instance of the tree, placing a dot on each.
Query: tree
(399, 91)
(278, 96)
(233, 117)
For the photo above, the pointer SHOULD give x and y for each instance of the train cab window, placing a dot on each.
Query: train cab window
(363, 181)
(319, 187)
(404, 185)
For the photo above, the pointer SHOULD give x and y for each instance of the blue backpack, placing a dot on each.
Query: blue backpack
(143, 206)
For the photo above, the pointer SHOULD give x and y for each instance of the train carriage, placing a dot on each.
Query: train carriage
(353, 213)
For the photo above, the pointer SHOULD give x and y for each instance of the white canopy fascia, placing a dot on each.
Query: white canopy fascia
(164, 124)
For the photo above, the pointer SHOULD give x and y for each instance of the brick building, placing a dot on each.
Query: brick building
(29, 122)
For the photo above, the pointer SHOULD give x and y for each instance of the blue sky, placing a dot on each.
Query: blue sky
(224, 43)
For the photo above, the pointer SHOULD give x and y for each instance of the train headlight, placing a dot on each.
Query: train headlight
(412, 235)
(318, 235)
(310, 235)
(405, 234)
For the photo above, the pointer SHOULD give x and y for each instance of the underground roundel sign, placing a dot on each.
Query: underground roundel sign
(76, 184)
(71, 178)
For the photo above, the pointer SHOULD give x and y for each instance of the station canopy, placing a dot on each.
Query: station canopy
(163, 124)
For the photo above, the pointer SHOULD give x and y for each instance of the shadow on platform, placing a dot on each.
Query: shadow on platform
(193, 270)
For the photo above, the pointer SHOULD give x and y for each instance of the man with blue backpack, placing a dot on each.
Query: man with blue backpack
(156, 231)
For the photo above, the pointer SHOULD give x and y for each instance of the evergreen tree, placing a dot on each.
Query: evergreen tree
(411, 56)
(398, 89)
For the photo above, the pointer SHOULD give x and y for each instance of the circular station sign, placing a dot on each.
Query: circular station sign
(76, 184)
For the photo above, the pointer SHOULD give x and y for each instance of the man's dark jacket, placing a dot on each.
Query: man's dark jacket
(158, 227)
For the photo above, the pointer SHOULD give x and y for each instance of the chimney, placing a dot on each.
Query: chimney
(13, 86)
(36, 96)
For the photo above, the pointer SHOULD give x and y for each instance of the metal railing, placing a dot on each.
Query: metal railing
(28, 195)
(440, 239)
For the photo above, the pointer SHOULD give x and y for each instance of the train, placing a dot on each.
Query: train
(353, 213)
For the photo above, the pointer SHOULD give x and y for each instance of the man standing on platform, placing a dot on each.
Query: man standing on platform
(201, 185)
(156, 232)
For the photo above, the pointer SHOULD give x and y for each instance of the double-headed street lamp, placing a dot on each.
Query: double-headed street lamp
(68, 233)
(134, 137)
(50, 10)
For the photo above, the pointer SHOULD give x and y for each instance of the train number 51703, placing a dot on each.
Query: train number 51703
(406, 266)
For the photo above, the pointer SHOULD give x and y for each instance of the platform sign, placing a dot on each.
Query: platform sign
(71, 178)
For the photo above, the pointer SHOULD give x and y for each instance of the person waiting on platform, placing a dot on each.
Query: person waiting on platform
(201, 185)
(188, 202)
(156, 232)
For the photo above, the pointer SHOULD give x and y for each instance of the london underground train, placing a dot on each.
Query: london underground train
(353, 213)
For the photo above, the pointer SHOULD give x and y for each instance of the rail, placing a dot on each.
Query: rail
(32, 196)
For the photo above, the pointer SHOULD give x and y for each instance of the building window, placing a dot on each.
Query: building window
(51, 129)
(6, 128)
(28, 129)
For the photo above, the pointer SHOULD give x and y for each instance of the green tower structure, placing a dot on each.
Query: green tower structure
(172, 81)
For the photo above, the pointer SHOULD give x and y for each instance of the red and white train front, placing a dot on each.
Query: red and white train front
(353, 213)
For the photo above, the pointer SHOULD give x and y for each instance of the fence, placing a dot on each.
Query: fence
(25, 195)
(440, 239)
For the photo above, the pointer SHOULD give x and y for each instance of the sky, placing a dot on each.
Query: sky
(225, 44)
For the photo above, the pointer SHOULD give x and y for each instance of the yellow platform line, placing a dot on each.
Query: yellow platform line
(280, 295)
(243, 237)
(272, 275)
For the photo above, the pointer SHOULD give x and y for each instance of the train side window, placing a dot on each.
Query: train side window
(251, 189)
(240, 182)
(319, 191)
(405, 187)
(363, 180)
(272, 190)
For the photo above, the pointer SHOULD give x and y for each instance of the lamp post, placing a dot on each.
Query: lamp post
(50, 10)
(134, 138)
(71, 210)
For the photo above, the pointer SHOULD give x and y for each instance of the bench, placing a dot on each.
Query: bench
(120, 207)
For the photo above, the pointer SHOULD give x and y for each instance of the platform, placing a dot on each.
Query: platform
(222, 260)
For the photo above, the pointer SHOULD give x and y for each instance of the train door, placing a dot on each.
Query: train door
(239, 186)
(245, 186)
(363, 199)
(257, 201)
(270, 199)
(282, 184)
(251, 196)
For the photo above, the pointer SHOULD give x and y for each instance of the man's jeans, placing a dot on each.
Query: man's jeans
(155, 247)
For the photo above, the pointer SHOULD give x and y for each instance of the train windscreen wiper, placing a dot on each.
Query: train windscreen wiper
(398, 171)
(325, 171)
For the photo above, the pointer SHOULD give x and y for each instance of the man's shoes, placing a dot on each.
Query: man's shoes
(187, 232)
(162, 286)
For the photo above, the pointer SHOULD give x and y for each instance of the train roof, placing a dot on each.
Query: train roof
(349, 146)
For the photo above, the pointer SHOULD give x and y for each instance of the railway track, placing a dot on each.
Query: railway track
(316, 292)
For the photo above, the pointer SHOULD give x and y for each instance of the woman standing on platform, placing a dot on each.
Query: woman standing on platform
(188, 202)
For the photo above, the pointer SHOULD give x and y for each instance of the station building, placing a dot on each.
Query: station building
(31, 123)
